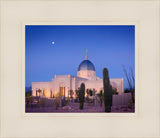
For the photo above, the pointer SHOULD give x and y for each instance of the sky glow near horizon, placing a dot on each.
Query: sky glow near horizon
(108, 46)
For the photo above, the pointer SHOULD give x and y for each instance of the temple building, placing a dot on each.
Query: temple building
(62, 84)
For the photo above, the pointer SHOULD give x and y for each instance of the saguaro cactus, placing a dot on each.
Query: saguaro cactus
(107, 91)
(81, 96)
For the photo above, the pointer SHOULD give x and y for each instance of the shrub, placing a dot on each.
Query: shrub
(57, 101)
(114, 91)
(101, 97)
(42, 102)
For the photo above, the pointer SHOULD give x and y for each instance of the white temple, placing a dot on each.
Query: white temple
(63, 83)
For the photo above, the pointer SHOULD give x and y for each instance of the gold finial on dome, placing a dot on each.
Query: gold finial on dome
(86, 57)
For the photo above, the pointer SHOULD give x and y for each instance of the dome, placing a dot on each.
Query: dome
(86, 65)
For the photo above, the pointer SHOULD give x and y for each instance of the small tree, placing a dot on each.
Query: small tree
(90, 92)
(87, 92)
(57, 100)
(28, 97)
(78, 93)
(107, 91)
(100, 96)
(39, 91)
(131, 82)
(94, 92)
(94, 96)
(70, 92)
(114, 91)
(28, 93)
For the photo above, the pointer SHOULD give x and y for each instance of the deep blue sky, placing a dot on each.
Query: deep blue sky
(108, 46)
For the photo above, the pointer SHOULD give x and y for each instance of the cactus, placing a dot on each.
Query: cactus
(81, 95)
(107, 91)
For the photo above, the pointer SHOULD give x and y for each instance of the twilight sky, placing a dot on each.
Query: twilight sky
(108, 46)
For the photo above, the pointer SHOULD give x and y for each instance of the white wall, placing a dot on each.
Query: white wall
(73, 82)
(42, 86)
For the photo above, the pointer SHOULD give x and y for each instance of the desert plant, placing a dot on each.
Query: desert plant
(39, 91)
(42, 102)
(87, 92)
(90, 92)
(94, 92)
(78, 93)
(81, 96)
(71, 93)
(114, 91)
(130, 104)
(126, 91)
(100, 96)
(94, 96)
(57, 101)
(28, 93)
(29, 100)
(131, 82)
(107, 91)
(87, 98)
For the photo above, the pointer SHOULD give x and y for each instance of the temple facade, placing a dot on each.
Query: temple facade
(62, 84)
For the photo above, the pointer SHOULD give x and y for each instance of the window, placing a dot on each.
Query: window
(62, 91)
(44, 93)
